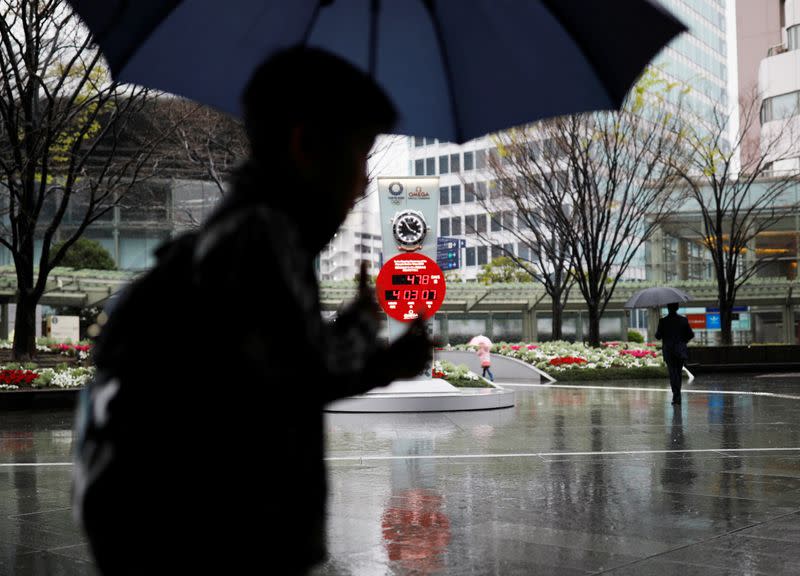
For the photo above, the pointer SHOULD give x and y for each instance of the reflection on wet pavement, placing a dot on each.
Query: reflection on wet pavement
(572, 480)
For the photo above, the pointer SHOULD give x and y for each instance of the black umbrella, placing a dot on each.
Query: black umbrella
(656, 297)
(455, 69)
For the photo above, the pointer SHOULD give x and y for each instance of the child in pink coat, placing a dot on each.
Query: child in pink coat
(486, 361)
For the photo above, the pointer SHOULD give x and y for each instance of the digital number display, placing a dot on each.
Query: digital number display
(398, 295)
(411, 279)
(410, 286)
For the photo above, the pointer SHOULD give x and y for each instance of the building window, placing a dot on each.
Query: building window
(470, 256)
(508, 249)
(469, 224)
(444, 227)
(496, 226)
(418, 142)
(779, 107)
(482, 255)
(430, 166)
(508, 220)
(469, 192)
(523, 251)
(497, 251)
(793, 37)
(480, 193)
(455, 194)
(419, 168)
(480, 159)
(469, 162)
(480, 223)
(455, 164)
(430, 141)
(444, 164)
(455, 227)
(444, 196)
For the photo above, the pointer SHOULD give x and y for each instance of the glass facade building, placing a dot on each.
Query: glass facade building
(697, 59)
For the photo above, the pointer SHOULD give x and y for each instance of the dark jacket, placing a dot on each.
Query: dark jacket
(208, 453)
(675, 331)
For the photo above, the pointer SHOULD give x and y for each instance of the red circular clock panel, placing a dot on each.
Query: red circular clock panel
(409, 285)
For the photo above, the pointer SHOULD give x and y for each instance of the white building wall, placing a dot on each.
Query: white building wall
(359, 237)
(779, 89)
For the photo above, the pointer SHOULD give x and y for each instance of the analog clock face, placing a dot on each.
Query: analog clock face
(409, 229)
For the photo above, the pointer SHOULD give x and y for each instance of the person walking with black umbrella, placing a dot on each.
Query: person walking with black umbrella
(675, 331)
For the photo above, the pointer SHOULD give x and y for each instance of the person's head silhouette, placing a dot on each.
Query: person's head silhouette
(311, 119)
(672, 308)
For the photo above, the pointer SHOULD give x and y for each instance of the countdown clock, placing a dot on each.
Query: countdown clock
(409, 230)
(410, 285)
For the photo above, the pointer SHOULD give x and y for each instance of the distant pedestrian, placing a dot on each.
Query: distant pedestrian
(485, 357)
(675, 331)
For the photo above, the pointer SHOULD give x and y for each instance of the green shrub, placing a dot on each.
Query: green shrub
(44, 379)
(611, 373)
(467, 383)
(634, 336)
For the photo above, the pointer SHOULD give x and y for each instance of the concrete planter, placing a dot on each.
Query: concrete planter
(35, 399)
(734, 358)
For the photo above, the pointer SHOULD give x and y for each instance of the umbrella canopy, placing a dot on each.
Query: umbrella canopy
(455, 69)
(657, 296)
(481, 341)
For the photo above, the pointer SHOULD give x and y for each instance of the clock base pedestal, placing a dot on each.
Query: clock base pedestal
(425, 395)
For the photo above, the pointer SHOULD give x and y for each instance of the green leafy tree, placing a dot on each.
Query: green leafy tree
(86, 254)
(503, 270)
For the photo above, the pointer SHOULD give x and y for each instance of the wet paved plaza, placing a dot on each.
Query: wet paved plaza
(581, 479)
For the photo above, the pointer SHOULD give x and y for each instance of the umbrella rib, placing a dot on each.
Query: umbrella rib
(437, 28)
(313, 20)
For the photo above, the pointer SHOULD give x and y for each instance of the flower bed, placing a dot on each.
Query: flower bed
(576, 361)
(29, 377)
(459, 376)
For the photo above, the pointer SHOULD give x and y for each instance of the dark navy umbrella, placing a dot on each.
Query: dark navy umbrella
(455, 69)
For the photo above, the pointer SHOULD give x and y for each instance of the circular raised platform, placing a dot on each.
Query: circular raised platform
(434, 395)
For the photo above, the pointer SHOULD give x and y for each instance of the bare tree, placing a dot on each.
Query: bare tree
(210, 141)
(736, 206)
(518, 211)
(66, 143)
(592, 188)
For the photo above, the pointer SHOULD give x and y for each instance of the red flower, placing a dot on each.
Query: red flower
(17, 377)
(567, 360)
(638, 353)
(532, 346)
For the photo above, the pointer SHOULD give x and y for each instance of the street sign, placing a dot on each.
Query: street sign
(409, 285)
(448, 252)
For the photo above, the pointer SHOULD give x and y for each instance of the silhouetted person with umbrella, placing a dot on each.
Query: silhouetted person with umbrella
(675, 331)
(204, 454)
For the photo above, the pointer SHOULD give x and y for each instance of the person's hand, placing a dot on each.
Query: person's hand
(407, 356)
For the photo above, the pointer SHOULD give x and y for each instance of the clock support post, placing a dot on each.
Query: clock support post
(409, 225)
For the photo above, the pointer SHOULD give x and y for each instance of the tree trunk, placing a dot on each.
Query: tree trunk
(24, 348)
(726, 323)
(25, 328)
(594, 326)
(557, 310)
